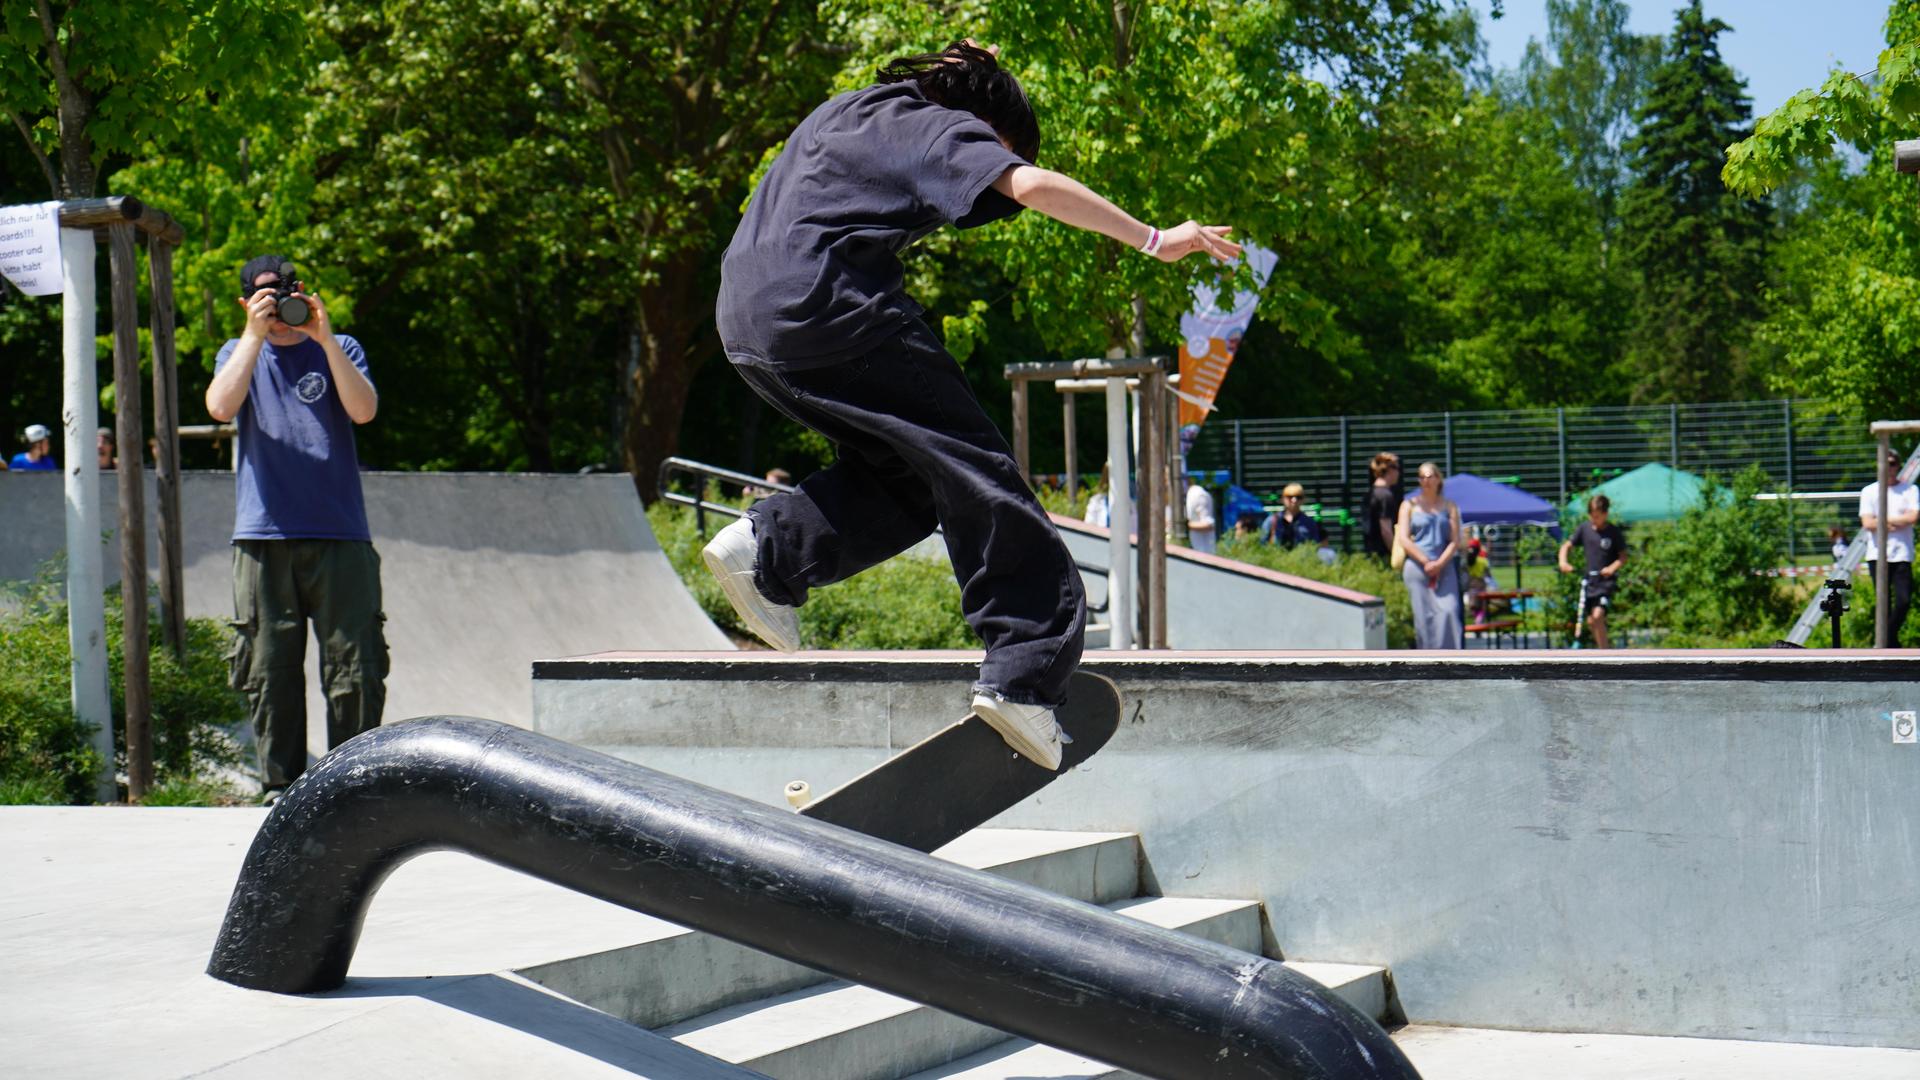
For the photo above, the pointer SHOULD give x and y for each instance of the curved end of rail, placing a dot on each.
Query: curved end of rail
(1154, 1002)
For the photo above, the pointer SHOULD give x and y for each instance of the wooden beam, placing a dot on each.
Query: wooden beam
(120, 210)
(133, 518)
(1086, 369)
(166, 433)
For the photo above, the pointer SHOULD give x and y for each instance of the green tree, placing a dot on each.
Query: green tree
(1844, 314)
(1697, 250)
(1587, 80)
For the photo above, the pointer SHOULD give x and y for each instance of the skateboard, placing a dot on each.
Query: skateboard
(956, 779)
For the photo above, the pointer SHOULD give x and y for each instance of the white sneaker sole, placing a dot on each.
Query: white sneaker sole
(737, 583)
(1017, 736)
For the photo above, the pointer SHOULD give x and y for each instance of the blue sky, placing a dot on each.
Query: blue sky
(1778, 46)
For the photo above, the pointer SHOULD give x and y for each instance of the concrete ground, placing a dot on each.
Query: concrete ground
(109, 914)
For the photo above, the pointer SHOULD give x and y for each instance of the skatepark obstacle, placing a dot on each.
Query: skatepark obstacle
(995, 951)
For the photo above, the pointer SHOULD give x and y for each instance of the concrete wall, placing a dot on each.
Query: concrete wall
(481, 574)
(1215, 603)
(1703, 844)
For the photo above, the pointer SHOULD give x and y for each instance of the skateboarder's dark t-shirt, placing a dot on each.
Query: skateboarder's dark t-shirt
(813, 274)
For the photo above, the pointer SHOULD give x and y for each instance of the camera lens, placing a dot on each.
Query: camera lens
(293, 310)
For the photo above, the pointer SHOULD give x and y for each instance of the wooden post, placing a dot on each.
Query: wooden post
(133, 518)
(166, 430)
(1152, 551)
(1020, 449)
(1073, 449)
(1154, 469)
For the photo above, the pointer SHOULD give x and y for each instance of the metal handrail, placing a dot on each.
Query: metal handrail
(682, 466)
(999, 952)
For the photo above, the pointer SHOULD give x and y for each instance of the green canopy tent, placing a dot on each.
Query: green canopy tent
(1652, 492)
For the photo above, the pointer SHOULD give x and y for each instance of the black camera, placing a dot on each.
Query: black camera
(1835, 600)
(288, 307)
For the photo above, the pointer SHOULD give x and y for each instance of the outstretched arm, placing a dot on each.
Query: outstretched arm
(1067, 200)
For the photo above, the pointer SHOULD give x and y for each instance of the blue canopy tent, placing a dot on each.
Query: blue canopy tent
(1489, 502)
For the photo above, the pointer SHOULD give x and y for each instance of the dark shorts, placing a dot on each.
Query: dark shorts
(1600, 593)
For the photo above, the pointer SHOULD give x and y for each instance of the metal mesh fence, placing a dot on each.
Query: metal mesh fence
(1804, 446)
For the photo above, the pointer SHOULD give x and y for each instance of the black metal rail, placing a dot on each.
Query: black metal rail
(999, 952)
(674, 466)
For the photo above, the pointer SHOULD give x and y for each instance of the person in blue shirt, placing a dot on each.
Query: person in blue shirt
(38, 456)
(301, 548)
(814, 315)
(1293, 525)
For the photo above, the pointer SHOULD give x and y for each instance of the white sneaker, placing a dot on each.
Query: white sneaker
(731, 555)
(1029, 729)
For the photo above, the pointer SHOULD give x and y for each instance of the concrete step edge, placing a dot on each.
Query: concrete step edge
(1365, 985)
(685, 973)
(832, 1029)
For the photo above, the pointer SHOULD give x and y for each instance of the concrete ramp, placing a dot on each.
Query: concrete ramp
(483, 573)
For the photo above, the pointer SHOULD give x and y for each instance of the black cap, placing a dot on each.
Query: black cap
(259, 264)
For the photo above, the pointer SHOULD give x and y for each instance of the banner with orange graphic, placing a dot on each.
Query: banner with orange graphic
(1209, 335)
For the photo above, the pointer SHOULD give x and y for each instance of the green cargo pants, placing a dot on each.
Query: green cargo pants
(278, 585)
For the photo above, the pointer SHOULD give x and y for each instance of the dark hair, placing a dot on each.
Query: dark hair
(1600, 502)
(969, 78)
(259, 264)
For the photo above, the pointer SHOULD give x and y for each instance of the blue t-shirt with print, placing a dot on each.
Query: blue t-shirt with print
(299, 477)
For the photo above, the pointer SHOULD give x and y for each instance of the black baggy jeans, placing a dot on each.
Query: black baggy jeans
(915, 449)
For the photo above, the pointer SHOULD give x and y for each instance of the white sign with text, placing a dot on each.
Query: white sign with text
(30, 247)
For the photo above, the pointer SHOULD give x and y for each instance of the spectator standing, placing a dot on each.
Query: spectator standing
(1200, 528)
(1429, 530)
(38, 456)
(1479, 575)
(103, 447)
(1099, 504)
(1382, 512)
(1837, 536)
(1606, 552)
(1293, 525)
(301, 547)
(1903, 509)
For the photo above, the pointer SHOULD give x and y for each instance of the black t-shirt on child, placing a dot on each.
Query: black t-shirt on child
(813, 274)
(1602, 545)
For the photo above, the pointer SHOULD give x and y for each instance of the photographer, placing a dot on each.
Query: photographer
(301, 548)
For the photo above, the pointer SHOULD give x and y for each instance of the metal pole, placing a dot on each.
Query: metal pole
(1020, 448)
(1346, 483)
(1793, 545)
(1239, 456)
(1673, 433)
(1152, 530)
(1560, 426)
(1176, 472)
(1880, 618)
(1119, 520)
(1446, 421)
(86, 614)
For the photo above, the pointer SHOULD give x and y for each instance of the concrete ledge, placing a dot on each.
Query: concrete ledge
(1693, 844)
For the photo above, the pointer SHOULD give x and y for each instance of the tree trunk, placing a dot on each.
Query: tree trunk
(660, 373)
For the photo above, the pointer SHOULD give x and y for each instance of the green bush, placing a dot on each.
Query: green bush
(1701, 581)
(907, 602)
(1360, 573)
(46, 755)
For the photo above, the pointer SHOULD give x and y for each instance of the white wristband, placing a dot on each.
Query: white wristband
(1154, 236)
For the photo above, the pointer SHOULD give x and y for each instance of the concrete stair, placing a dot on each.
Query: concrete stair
(791, 1023)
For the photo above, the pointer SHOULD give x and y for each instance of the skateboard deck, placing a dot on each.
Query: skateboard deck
(958, 778)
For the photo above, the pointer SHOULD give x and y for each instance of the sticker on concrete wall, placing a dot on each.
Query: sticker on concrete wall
(1903, 726)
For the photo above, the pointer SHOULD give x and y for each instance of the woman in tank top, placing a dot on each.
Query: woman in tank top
(1430, 532)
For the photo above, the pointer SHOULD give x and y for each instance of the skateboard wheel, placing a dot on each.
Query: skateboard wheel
(799, 794)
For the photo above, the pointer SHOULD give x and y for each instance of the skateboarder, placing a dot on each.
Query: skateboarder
(814, 315)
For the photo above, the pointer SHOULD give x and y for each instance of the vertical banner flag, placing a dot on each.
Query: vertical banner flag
(1209, 334)
(30, 247)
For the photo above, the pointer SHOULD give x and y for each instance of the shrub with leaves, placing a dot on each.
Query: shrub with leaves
(46, 755)
(1701, 581)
